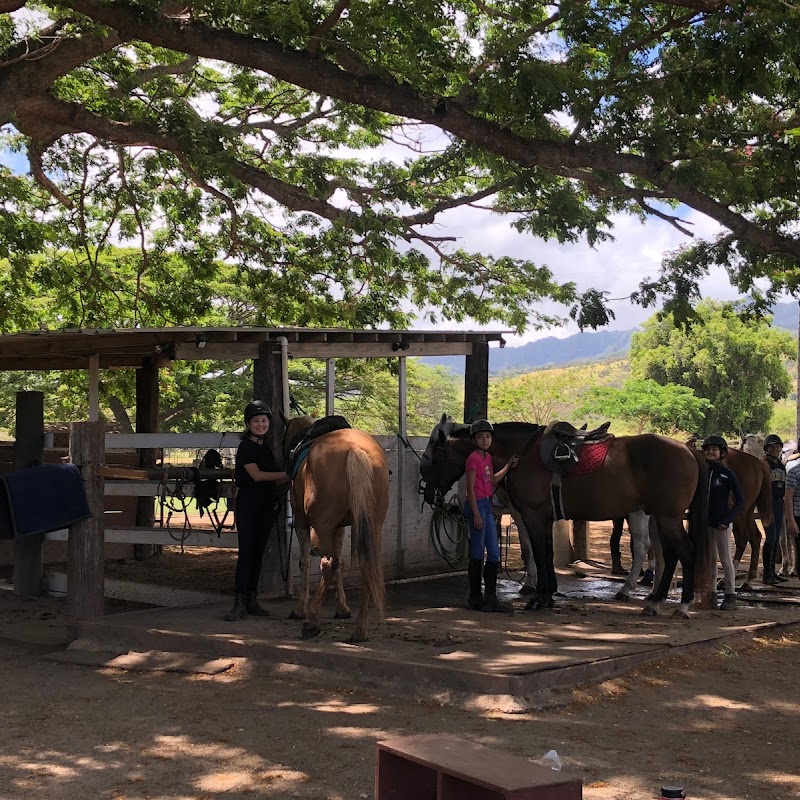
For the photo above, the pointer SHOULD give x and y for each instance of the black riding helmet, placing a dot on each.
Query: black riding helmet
(479, 426)
(255, 408)
(715, 441)
(772, 439)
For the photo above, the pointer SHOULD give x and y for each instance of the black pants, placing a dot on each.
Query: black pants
(255, 518)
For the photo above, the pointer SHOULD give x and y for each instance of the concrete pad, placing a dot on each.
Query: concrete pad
(428, 643)
(151, 661)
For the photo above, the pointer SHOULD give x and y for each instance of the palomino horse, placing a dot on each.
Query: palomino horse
(344, 480)
(647, 473)
(753, 475)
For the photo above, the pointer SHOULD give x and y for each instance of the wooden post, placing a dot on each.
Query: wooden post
(28, 451)
(476, 383)
(402, 429)
(268, 386)
(94, 387)
(580, 539)
(146, 422)
(85, 543)
(705, 571)
(330, 386)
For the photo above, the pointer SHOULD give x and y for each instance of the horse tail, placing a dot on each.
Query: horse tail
(365, 542)
(698, 508)
(764, 500)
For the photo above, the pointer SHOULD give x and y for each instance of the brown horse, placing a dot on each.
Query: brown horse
(648, 473)
(344, 480)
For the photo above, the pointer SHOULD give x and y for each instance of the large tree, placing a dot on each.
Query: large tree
(270, 132)
(736, 364)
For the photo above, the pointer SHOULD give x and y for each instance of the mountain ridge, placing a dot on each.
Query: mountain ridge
(586, 346)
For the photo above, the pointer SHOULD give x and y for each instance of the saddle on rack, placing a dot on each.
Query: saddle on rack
(562, 443)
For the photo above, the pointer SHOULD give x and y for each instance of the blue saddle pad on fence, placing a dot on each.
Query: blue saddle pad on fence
(42, 499)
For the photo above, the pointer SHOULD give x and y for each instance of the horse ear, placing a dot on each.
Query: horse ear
(443, 420)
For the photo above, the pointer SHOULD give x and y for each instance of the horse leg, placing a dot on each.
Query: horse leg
(657, 561)
(328, 568)
(640, 538)
(754, 538)
(304, 539)
(741, 537)
(529, 584)
(342, 609)
(542, 544)
(675, 545)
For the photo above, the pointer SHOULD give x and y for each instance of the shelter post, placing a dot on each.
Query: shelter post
(580, 539)
(28, 452)
(402, 428)
(268, 386)
(330, 385)
(147, 394)
(476, 383)
(705, 571)
(86, 542)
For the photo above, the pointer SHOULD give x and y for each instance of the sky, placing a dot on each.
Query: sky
(617, 266)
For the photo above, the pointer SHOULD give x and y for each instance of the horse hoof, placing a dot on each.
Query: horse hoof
(295, 614)
(357, 638)
(310, 631)
(526, 590)
(680, 613)
(537, 603)
(342, 614)
(621, 596)
(649, 611)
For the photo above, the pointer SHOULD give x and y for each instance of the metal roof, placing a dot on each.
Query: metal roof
(73, 348)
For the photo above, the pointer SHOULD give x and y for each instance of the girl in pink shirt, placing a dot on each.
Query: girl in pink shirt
(481, 480)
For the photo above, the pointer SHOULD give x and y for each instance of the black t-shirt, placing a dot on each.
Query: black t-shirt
(249, 452)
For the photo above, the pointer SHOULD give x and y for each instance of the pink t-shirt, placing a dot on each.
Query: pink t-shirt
(480, 462)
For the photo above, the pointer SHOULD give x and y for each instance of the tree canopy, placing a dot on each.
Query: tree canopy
(296, 140)
(736, 364)
(648, 406)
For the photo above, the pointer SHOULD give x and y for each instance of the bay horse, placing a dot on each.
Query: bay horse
(647, 473)
(344, 480)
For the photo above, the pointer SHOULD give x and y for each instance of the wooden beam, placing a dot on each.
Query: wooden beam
(197, 537)
(378, 349)
(186, 441)
(233, 351)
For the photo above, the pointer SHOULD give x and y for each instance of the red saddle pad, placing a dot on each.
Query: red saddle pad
(592, 456)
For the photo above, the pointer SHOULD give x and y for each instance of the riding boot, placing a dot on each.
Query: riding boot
(768, 559)
(491, 601)
(253, 607)
(474, 572)
(239, 610)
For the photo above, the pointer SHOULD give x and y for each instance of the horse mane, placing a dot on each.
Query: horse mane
(295, 428)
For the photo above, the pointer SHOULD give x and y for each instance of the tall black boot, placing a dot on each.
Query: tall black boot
(768, 560)
(239, 610)
(253, 607)
(475, 572)
(491, 601)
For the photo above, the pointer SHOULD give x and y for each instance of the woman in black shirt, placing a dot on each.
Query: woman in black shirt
(257, 478)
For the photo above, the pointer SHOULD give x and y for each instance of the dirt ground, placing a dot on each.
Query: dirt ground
(724, 723)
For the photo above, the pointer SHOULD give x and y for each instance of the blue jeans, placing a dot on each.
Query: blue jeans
(484, 538)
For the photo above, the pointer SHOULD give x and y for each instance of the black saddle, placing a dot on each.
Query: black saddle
(334, 422)
(562, 442)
